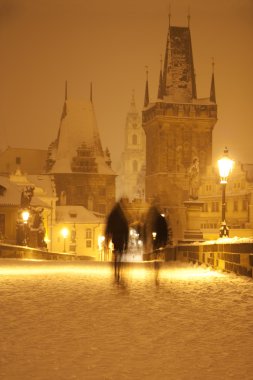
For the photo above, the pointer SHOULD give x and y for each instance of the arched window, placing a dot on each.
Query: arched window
(135, 166)
(134, 140)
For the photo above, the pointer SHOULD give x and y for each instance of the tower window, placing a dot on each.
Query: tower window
(134, 140)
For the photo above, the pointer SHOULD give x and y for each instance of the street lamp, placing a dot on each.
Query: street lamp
(225, 165)
(25, 216)
(64, 233)
(154, 238)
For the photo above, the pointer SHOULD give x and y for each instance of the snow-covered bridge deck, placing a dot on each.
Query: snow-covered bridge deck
(71, 320)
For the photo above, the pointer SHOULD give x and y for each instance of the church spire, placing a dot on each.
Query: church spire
(146, 97)
(212, 90)
(160, 87)
(133, 109)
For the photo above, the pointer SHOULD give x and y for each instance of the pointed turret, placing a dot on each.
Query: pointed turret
(165, 68)
(64, 111)
(146, 97)
(212, 90)
(160, 87)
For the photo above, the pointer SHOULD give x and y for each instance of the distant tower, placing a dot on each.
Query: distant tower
(131, 180)
(82, 171)
(178, 128)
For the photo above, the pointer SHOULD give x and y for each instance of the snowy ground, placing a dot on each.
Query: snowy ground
(71, 320)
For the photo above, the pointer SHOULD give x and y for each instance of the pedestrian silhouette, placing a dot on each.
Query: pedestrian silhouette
(117, 231)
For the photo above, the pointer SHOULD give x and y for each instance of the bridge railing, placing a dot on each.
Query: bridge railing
(8, 251)
(230, 257)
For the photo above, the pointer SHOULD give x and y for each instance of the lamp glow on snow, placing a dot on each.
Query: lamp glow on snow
(25, 216)
(225, 165)
(101, 241)
(64, 233)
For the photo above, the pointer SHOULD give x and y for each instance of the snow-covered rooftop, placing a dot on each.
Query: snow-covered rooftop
(79, 127)
(76, 214)
(14, 185)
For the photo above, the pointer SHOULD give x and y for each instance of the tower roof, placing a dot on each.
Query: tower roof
(78, 130)
(178, 74)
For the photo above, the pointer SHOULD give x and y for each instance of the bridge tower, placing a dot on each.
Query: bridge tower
(178, 128)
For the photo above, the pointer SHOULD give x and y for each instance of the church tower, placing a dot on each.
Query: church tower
(178, 128)
(131, 180)
(82, 170)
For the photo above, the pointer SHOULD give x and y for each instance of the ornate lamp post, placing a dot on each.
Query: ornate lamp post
(64, 233)
(225, 165)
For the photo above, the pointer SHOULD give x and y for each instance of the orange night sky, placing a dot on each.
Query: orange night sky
(45, 42)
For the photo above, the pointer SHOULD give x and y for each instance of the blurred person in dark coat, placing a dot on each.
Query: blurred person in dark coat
(117, 231)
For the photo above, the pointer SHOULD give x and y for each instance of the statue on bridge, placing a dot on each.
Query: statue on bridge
(194, 181)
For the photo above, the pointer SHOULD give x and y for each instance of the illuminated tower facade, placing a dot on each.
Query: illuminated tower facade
(131, 180)
(178, 128)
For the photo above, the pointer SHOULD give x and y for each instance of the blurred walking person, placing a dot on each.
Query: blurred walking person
(117, 231)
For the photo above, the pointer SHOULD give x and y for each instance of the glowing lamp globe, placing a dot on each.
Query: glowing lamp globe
(225, 165)
(64, 232)
(25, 216)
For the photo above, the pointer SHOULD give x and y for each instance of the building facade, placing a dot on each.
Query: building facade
(239, 202)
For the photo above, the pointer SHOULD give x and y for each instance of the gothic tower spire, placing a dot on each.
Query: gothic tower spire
(64, 111)
(146, 97)
(212, 90)
(160, 87)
